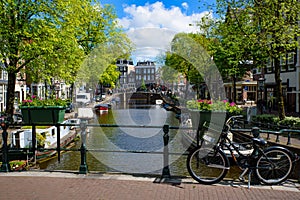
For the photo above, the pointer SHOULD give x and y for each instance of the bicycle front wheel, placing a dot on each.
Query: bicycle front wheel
(207, 166)
(274, 166)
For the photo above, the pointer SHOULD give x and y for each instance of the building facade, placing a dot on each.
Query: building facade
(290, 73)
(145, 72)
(126, 69)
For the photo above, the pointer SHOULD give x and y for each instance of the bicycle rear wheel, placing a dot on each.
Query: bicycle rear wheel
(207, 166)
(274, 166)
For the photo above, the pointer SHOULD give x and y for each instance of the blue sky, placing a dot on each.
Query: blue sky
(151, 25)
(193, 6)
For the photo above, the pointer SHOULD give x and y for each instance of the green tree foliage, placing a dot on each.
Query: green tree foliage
(168, 75)
(258, 31)
(50, 39)
(190, 57)
(99, 66)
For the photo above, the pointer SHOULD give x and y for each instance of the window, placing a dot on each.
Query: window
(269, 66)
(282, 60)
(290, 59)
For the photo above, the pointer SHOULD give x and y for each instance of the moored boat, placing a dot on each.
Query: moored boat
(46, 140)
(102, 107)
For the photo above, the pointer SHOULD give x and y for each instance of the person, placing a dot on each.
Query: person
(270, 105)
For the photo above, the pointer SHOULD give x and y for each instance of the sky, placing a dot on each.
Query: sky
(151, 25)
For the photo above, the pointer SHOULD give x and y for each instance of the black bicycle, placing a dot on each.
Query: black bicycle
(209, 165)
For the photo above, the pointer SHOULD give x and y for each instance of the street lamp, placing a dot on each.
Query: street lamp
(261, 86)
(22, 92)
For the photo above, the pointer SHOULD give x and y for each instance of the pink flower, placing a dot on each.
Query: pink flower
(232, 104)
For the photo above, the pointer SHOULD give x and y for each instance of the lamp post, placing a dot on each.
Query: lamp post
(261, 86)
(5, 167)
(22, 92)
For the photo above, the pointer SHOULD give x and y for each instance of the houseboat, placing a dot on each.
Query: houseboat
(46, 139)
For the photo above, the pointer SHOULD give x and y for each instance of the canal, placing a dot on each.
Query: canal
(106, 145)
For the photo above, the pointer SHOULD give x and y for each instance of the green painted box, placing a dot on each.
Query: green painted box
(43, 115)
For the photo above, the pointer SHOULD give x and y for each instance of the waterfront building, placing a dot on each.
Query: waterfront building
(126, 69)
(145, 71)
(290, 76)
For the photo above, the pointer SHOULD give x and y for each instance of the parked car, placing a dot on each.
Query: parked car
(69, 108)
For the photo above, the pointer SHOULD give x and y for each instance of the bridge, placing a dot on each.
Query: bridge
(139, 98)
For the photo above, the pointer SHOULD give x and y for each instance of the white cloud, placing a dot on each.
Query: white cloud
(185, 5)
(153, 26)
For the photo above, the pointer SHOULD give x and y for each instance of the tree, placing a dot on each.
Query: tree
(263, 30)
(99, 66)
(190, 56)
(46, 39)
(168, 75)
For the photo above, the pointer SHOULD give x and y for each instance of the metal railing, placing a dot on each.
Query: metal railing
(83, 169)
(284, 133)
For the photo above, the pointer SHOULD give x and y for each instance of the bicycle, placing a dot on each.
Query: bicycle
(271, 165)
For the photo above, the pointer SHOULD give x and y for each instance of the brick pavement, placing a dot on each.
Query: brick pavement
(56, 186)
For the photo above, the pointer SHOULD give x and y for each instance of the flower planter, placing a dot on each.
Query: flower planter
(43, 115)
(200, 117)
(215, 121)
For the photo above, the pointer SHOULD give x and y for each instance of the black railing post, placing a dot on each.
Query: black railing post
(33, 136)
(166, 170)
(83, 169)
(289, 138)
(277, 138)
(58, 143)
(5, 167)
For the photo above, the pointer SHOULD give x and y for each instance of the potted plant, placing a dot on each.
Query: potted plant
(204, 110)
(43, 111)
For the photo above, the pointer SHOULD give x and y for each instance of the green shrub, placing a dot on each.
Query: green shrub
(292, 122)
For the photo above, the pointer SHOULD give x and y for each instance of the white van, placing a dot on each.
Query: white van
(83, 98)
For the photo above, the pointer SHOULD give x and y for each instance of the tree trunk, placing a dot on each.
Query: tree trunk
(10, 98)
(278, 81)
(234, 89)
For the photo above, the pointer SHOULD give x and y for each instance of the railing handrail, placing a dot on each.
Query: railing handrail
(277, 133)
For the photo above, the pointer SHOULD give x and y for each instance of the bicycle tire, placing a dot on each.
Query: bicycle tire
(207, 166)
(274, 166)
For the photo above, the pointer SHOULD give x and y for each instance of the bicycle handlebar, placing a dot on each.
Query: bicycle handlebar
(232, 118)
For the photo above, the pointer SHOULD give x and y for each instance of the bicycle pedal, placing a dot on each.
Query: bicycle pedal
(242, 179)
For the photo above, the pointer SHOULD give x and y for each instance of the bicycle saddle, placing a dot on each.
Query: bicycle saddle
(259, 141)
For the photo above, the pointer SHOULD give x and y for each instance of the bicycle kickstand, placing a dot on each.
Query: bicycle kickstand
(249, 178)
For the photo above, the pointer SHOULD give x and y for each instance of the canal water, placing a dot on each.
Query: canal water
(108, 148)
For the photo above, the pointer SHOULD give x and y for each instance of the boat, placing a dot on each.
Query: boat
(46, 140)
(75, 122)
(102, 107)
